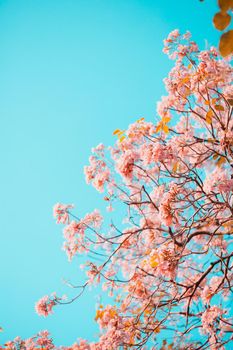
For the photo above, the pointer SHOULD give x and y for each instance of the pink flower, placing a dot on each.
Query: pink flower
(125, 164)
(98, 149)
(45, 305)
(174, 34)
(94, 219)
(209, 319)
(60, 212)
(167, 214)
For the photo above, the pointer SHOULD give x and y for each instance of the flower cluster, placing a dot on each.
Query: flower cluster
(44, 306)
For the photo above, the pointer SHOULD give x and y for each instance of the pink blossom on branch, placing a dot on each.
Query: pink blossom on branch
(61, 212)
(44, 306)
(168, 266)
(174, 178)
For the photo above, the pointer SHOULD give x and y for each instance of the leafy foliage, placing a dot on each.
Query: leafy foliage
(221, 21)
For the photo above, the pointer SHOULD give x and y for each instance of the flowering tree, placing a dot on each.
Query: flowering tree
(169, 264)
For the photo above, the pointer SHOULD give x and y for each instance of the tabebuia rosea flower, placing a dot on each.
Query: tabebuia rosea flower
(166, 256)
(44, 306)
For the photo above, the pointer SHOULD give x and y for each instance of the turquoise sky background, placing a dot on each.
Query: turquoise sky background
(71, 72)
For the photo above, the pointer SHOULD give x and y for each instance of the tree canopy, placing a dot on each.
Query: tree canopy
(169, 264)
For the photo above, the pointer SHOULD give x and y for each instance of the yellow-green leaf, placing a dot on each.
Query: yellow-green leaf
(220, 161)
(121, 138)
(187, 91)
(214, 100)
(166, 119)
(221, 20)
(185, 80)
(153, 262)
(226, 43)
(219, 108)
(175, 167)
(120, 133)
(208, 117)
(228, 223)
(140, 120)
(157, 330)
(225, 5)
(165, 128)
(158, 128)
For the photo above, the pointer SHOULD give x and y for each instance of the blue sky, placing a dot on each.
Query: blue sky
(71, 72)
